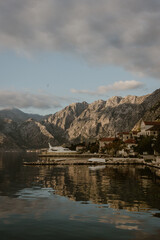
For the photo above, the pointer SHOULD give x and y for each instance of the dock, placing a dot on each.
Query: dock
(70, 155)
(79, 161)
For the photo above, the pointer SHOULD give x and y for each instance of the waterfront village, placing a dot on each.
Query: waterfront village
(134, 147)
(144, 141)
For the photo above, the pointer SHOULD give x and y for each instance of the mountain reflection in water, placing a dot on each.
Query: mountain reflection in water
(111, 200)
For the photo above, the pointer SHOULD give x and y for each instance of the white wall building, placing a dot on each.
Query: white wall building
(149, 128)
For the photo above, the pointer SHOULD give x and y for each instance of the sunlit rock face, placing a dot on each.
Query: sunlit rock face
(81, 121)
(105, 118)
(58, 124)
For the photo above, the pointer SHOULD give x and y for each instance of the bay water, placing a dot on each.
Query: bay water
(77, 202)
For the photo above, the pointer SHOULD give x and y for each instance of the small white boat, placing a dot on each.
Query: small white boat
(59, 149)
(101, 160)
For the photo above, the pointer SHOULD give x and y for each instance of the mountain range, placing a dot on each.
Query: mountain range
(77, 122)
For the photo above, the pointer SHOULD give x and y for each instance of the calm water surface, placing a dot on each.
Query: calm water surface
(77, 202)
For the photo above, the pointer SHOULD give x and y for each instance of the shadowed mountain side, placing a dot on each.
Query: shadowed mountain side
(17, 115)
(153, 113)
(82, 121)
(27, 134)
(58, 123)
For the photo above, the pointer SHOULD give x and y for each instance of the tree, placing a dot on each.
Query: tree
(94, 147)
(117, 145)
(145, 145)
(113, 147)
(157, 144)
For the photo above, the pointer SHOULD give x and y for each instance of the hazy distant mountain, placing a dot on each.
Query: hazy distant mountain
(17, 115)
(78, 122)
(26, 134)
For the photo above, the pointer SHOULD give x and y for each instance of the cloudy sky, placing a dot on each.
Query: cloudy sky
(56, 52)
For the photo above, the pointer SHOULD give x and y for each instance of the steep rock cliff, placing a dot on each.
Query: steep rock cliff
(81, 122)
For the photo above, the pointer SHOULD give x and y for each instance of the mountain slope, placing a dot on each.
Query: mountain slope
(79, 122)
(17, 115)
(58, 123)
(27, 134)
(105, 118)
(100, 118)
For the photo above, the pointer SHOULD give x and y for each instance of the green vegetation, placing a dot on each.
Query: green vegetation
(1, 124)
(145, 144)
(112, 148)
(91, 147)
(157, 144)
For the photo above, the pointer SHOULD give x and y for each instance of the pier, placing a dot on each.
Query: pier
(79, 161)
(84, 161)
(70, 155)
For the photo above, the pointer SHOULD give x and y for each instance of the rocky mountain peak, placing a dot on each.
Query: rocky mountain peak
(80, 121)
(97, 105)
(76, 108)
(113, 101)
(66, 116)
(131, 99)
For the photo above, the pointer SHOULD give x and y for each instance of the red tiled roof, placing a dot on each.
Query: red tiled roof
(107, 139)
(124, 133)
(152, 123)
(130, 141)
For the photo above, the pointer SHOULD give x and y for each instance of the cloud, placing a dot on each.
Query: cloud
(117, 86)
(120, 32)
(26, 100)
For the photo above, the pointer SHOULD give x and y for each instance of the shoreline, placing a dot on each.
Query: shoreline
(84, 161)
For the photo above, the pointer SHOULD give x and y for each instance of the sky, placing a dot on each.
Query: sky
(56, 52)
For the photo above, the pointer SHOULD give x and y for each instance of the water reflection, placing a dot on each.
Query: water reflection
(68, 202)
(119, 187)
(35, 193)
(95, 168)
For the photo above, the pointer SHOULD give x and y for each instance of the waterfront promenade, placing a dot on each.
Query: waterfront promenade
(82, 159)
